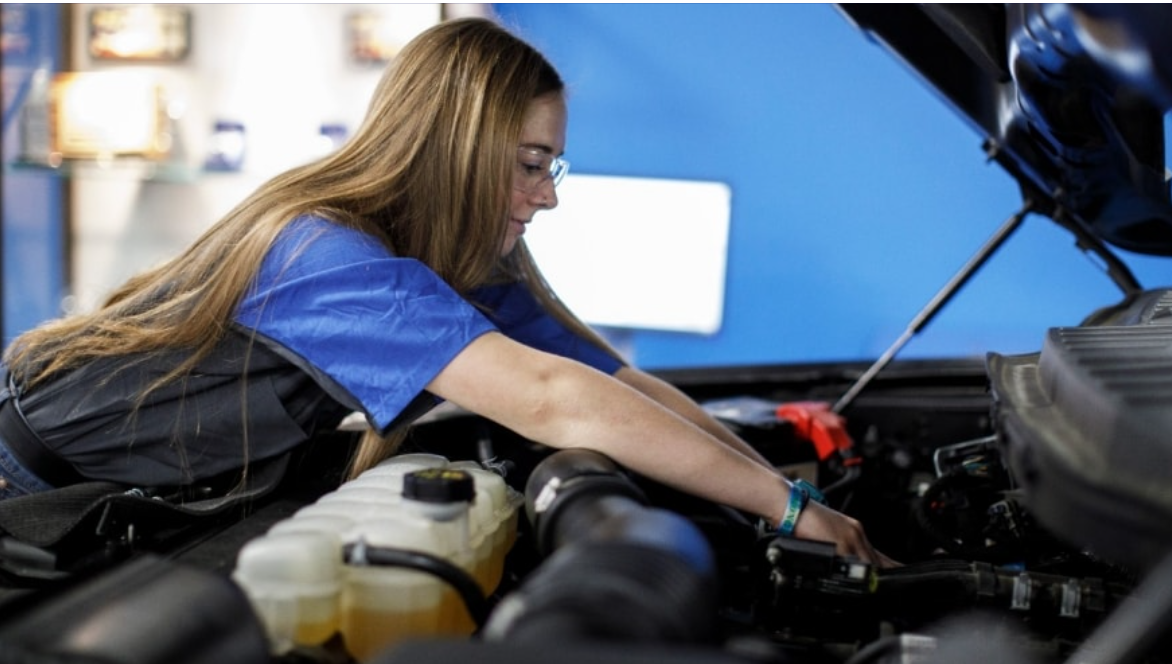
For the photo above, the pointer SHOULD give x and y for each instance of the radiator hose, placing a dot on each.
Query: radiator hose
(615, 568)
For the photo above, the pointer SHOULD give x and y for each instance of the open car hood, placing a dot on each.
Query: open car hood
(1069, 98)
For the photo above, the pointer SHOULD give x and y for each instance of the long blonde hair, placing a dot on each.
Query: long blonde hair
(428, 173)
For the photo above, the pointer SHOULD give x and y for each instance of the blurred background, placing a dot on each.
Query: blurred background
(750, 184)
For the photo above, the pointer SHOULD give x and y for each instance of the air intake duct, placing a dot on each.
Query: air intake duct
(616, 568)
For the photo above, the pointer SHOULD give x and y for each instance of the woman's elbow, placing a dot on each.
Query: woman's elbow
(555, 405)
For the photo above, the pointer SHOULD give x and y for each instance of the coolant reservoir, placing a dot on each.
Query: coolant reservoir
(382, 605)
(402, 464)
(293, 581)
(495, 513)
(296, 576)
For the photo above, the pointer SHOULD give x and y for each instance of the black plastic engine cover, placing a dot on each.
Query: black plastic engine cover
(1087, 429)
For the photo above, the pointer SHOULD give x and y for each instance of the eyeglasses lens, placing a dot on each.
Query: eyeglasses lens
(534, 167)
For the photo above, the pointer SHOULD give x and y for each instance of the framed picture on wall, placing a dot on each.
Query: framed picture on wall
(369, 43)
(374, 36)
(156, 33)
(107, 114)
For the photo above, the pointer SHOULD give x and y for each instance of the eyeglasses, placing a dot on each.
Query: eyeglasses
(535, 166)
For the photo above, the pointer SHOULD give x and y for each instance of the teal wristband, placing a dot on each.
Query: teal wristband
(812, 491)
(798, 497)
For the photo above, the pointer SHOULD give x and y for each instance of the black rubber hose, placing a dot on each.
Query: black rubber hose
(617, 569)
(463, 583)
(608, 591)
(568, 478)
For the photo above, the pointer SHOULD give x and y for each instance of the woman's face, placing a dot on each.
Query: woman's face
(543, 140)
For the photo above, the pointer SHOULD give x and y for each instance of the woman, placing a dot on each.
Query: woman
(381, 279)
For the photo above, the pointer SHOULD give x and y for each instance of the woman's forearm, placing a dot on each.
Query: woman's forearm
(672, 398)
(564, 404)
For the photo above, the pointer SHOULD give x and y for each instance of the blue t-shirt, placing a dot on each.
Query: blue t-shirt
(381, 327)
(333, 324)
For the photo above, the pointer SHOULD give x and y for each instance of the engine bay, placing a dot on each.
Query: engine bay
(612, 565)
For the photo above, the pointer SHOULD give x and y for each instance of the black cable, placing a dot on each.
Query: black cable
(463, 583)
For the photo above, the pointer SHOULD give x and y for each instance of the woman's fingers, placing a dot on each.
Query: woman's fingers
(819, 522)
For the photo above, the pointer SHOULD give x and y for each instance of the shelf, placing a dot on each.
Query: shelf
(119, 169)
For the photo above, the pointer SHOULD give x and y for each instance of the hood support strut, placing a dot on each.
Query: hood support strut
(942, 297)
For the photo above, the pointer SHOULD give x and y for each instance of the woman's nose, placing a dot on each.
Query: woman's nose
(546, 195)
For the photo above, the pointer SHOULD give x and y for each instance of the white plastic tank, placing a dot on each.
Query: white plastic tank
(495, 514)
(293, 581)
(306, 593)
(382, 605)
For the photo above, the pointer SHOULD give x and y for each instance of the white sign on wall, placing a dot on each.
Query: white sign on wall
(637, 252)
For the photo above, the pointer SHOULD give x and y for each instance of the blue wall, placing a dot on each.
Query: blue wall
(33, 218)
(857, 193)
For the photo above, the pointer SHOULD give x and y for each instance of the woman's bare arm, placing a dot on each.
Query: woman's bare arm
(672, 398)
(564, 404)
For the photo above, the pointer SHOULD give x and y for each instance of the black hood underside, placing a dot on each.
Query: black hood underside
(1069, 99)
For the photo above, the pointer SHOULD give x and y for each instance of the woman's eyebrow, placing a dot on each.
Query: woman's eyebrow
(538, 146)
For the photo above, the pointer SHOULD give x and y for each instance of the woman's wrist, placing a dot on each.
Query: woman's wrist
(798, 497)
(800, 494)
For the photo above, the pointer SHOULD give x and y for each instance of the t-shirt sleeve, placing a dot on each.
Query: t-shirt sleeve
(514, 310)
(377, 326)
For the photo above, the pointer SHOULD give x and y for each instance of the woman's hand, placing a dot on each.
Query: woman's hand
(819, 522)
